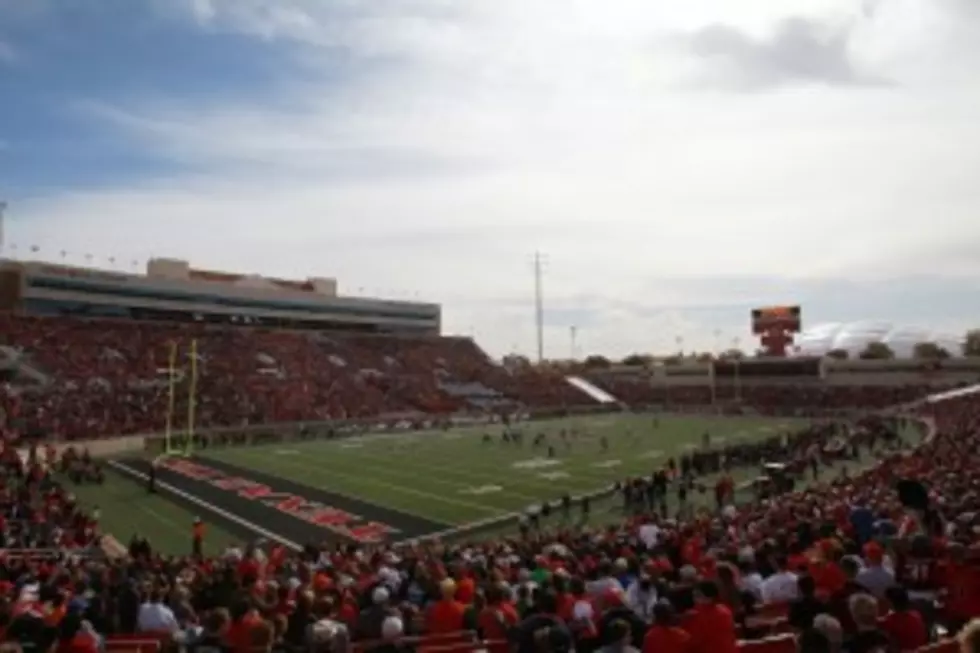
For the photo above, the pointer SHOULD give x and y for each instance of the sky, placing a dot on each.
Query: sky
(676, 163)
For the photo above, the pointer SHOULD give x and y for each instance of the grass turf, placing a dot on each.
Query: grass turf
(455, 478)
(452, 477)
(126, 509)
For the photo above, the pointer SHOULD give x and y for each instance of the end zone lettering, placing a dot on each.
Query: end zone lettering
(339, 521)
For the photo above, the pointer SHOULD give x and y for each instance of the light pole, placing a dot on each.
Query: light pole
(539, 303)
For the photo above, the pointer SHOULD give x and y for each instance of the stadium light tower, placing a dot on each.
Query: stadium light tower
(539, 303)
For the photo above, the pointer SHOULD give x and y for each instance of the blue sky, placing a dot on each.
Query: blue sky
(678, 163)
(111, 52)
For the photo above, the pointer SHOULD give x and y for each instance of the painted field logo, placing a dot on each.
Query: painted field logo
(333, 519)
(553, 476)
(482, 489)
(606, 464)
(536, 463)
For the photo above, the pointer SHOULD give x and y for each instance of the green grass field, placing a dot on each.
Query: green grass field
(452, 477)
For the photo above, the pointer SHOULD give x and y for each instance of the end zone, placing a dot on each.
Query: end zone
(288, 512)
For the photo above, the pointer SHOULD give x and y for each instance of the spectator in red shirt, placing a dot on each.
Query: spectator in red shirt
(239, 635)
(962, 582)
(711, 625)
(903, 625)
(840, 606)
(665, 636)
(445, 615)
(497, 618)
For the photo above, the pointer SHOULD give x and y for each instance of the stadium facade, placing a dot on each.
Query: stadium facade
(172, 290)
(854, 337)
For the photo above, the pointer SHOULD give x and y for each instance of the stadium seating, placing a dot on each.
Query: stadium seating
(112, 378)
(774, 399)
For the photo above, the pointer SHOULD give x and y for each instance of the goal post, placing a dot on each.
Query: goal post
(184, 444)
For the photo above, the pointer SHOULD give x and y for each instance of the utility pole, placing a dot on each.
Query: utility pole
(572, 332)
(539, 305)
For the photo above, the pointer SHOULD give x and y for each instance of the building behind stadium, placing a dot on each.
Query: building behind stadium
(173, 290)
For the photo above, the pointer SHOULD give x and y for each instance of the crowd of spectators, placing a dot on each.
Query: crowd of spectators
(765, 398)
(113, 377)
(857, 564)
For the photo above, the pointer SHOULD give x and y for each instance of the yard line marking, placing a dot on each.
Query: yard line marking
(553, 476)
(367, 480)
(444, 467)
(160, 517)
(432, 450)
(443, 472)
(535, 463)
(432, 460)
(439, 475)
(274, 471)
(482, 489)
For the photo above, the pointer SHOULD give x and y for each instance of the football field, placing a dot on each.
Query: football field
(402, 485)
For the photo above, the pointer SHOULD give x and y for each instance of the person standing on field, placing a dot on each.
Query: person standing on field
(197, 537)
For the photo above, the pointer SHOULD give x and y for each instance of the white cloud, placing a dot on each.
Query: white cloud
(492, 128)
(8, 54)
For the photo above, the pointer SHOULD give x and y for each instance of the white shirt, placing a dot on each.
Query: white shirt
(752, 583)
(603, 585)
(649, 534)
(156, 616)
(641, 602)
(780, 588)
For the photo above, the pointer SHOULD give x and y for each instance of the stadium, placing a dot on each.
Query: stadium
(240, 419)
(275, 376)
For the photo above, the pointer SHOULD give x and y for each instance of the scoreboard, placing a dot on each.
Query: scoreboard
(786, 319)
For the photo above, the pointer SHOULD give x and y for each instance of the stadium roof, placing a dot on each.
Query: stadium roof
(855, 336)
